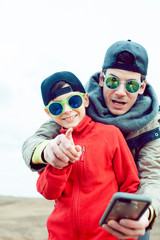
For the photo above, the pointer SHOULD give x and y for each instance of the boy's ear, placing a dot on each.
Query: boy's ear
(101, 79)
(142, 88)
(46, 110)
(86, 100)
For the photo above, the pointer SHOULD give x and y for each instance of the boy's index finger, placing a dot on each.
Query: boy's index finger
(69, 135)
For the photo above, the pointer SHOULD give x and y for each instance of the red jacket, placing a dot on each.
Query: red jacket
(83, 190)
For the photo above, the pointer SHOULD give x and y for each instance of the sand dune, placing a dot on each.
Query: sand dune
(25, 219)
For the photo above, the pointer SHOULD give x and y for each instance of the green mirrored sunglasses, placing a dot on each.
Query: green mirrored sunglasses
(132, 86)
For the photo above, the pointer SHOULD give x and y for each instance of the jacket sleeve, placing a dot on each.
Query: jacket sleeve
(47, 131)
(124, 167)
(148, 164)
(52, 182)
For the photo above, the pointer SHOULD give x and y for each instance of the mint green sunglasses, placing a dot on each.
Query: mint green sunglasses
(57, 108)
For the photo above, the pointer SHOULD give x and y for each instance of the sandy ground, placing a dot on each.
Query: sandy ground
(25, 219)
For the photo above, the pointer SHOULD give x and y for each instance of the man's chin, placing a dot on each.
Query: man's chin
(118, 112)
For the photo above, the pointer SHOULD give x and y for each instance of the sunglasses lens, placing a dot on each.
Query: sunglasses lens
(112, 82)
(132, 86)
(55, 108)
(75, 101)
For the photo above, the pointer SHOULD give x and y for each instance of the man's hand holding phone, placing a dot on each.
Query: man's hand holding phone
(125, 224)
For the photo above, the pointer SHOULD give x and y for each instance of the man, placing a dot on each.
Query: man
(119, 95)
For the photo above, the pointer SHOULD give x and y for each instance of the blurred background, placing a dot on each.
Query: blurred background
(40, 37)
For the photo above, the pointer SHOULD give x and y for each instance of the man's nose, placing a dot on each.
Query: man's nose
(121, 90)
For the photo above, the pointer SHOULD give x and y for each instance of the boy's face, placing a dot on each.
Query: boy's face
(70, 117)
(118, 100)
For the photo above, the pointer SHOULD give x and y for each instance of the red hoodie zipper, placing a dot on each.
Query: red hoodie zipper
(83, 150)
(76, 217)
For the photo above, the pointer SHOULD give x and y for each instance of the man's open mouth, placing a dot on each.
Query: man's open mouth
(120, 103)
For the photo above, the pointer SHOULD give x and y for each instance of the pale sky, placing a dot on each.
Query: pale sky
(40, 37)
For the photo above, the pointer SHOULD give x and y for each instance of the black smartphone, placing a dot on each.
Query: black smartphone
(125, 205)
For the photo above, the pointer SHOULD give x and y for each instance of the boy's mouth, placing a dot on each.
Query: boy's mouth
(70, 118)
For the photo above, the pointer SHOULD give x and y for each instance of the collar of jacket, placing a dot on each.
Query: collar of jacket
(144, 135)
(85, 125)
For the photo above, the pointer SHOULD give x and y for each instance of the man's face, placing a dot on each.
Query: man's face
(118, 100)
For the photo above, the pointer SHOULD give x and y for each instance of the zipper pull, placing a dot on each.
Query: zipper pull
(83, 150)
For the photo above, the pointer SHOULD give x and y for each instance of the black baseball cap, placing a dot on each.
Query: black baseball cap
(139, 53)
(68, 77)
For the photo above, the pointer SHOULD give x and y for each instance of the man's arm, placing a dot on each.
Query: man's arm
(148, 164)
(48, 146)
(47, 131)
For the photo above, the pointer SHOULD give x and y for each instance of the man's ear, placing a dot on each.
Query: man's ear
(86, 100)
(142, 88)
(48, 113)
(101, 79)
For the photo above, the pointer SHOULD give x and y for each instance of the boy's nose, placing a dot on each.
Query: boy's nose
(121, 90)
(67, 108)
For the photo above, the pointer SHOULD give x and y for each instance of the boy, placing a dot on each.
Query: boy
(82, 189)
